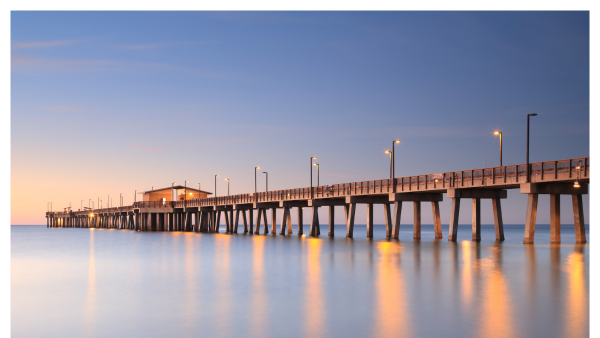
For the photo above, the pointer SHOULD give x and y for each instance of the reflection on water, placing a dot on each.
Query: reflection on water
(577, 316)
(392, 311)
(90, 303)
(99, 283)
(314, 311)
(496, 317)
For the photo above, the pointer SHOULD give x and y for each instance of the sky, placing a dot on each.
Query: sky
(104, 103)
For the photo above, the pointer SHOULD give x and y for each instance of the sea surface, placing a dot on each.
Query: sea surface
(70, 282)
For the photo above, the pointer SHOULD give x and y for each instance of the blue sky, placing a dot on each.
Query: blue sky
(140, 99)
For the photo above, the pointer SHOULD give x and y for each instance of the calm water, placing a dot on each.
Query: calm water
(121, 283)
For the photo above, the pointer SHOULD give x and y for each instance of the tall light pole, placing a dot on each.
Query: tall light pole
(394, 164)
(318, 176)
(500, 133)
(390, 153)
(311, 170)
(172, 185)
(227, 186)
(216, 186)
(255, 190)
(267, 181)
(121, 199)
(134, 196)
(528, 171)
(198, 190)
(185, 190)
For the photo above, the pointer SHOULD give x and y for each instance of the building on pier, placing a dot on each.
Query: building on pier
(174, 193)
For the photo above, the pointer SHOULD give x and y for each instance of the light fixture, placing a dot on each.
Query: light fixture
(576, 185)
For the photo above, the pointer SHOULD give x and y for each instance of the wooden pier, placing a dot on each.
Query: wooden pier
(204, 215)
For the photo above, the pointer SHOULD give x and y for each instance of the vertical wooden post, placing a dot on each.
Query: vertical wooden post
(288, 220)
(266, 227)
(218, 222)
(416, 220)
(227, 225)
(250, 221)
(498, 224)
(245, 221)
(396, 220)
(300, 222)
(350, 211)
(476, 220)
(331, 231)
(314, 223)
(231, 222)
(532, 201)
(454, 210)
(388, 220)
(286, 212)
(258, 219)
(437, 221)
(555, 218)
(370, 220)
(236, 222)
(274, 221)
(578, 218)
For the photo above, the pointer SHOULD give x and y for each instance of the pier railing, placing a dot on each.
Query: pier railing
(499, 177)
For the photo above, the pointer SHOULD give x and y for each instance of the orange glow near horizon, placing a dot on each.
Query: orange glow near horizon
(259, 297)
(577, 302)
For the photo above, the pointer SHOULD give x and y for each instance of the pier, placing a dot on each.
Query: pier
(555, 178)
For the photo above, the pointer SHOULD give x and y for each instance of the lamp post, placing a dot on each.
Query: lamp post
(174, 198)
(267, 181)
(500, 133)
(390, 153)
(255, 190)
(198, 190)
(528, 171)
(185, 190)
(121, 199)
(227, 186)
(311, 170)
(134, 196)
(216, 186)
(394, 164)
(98, 202)
(578, 167)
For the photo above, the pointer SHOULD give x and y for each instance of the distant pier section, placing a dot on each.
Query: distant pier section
(204, 214)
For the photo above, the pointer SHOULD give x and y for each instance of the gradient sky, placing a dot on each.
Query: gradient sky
(110, 102)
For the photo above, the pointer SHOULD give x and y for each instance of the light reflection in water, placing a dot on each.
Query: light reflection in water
(258, 307)
(392, 312)
(90, 303)
(314, 312)
(223, 286)
(467, 278)
(496, 313)
(190, 288)
(577, 316)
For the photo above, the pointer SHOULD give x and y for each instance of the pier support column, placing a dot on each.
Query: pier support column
(286, 222)
(369, 220)
(258, 219)
(532, 201)
(331, 231)
(314, 223)
(437, 221)
(396, 220)
(227, 224)
(265, 225)
(555, 218)
(416, 220)
(388, 220)
(218, 222)
(250, 221)
(498, 224)
(578, 219)
(274, 221)
(350, 210)
(236, 222)
(245, 221)
(454, 210)
(476, 220)
(300, 222)
(231, 222)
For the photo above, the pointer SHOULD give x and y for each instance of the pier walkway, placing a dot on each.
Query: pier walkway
(561, 177)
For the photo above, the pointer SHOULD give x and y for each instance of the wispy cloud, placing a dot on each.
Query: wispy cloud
(41, 44)
(138, 47)
(155, 45)
(64, 109)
